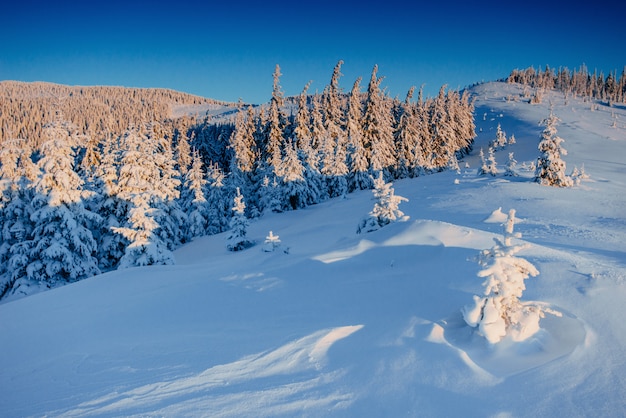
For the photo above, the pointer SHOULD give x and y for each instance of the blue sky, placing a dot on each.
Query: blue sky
(227, 50)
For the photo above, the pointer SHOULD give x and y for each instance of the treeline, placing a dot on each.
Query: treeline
(76, 205)
(580, 82)
(95, 111)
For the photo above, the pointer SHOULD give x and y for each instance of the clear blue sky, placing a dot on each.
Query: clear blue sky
(228, 49)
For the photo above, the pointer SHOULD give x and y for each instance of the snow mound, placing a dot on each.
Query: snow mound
(558, 337)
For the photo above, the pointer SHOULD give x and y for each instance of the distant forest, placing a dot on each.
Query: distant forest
(610, 88)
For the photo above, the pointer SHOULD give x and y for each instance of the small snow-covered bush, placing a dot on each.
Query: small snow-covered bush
(272, 242)
(499, 311)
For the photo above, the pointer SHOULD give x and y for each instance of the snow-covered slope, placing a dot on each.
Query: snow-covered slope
(356, 325)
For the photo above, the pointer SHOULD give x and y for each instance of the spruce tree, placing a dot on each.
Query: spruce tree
(359, 178)
(63, 248)
(193, 199)
(377, 128)
(385, 209)
(137, 185)
(237, 240)
(15, 210)
(550, 167)
(303, 141)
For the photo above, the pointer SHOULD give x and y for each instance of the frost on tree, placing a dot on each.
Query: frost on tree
(550, 169)
(499, 311)
(237, 240)
(385, 209)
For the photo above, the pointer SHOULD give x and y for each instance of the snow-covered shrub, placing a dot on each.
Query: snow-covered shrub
(511, 166)
(272, 242)
(385, 209)
(499, 312)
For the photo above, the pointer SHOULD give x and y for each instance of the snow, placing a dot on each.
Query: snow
(350, 326)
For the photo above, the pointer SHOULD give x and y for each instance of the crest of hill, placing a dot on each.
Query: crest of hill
(95, 110)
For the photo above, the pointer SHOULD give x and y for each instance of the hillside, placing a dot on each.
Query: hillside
(96, 110)
(357, 325)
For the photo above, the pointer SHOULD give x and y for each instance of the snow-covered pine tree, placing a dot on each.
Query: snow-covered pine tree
(334, 166)
(193, 199)
(275, 126)
(500, 140)
(63, 248)
(358, 160)
(442, 142)
(112, 209)
(237, 240)
(302, 139)
(272, 242)
(407, 137)
(511, 166)
(293, 187)
(170, 217)
(217, 201)
(492, 164)
(484, 169)
(499, 311)
(378, 127)
(182, 153)
(318, 135)
(550, 169)
(15, 210)
(137, 184)
(385, 209)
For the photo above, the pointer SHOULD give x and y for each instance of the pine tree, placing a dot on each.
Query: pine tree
(15, 224)
(442, 141)
(291, 175)
(194, 200)
(183, 155)
(500, 140)
(137, 185)
(112, 209)
(318, 135)
(407, 139)
(499, 311)
(237, 239)
(359, 178)
(272, 242)
(492, 165)
(334, 165)
(170, 217)
(510, 167)
(217, 201)
(550, 167)
(62, 248)
(276, 124)
(377, 128)
(385, 209)
(303, 138)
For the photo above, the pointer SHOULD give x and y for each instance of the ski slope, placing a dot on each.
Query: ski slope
(343, 324)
